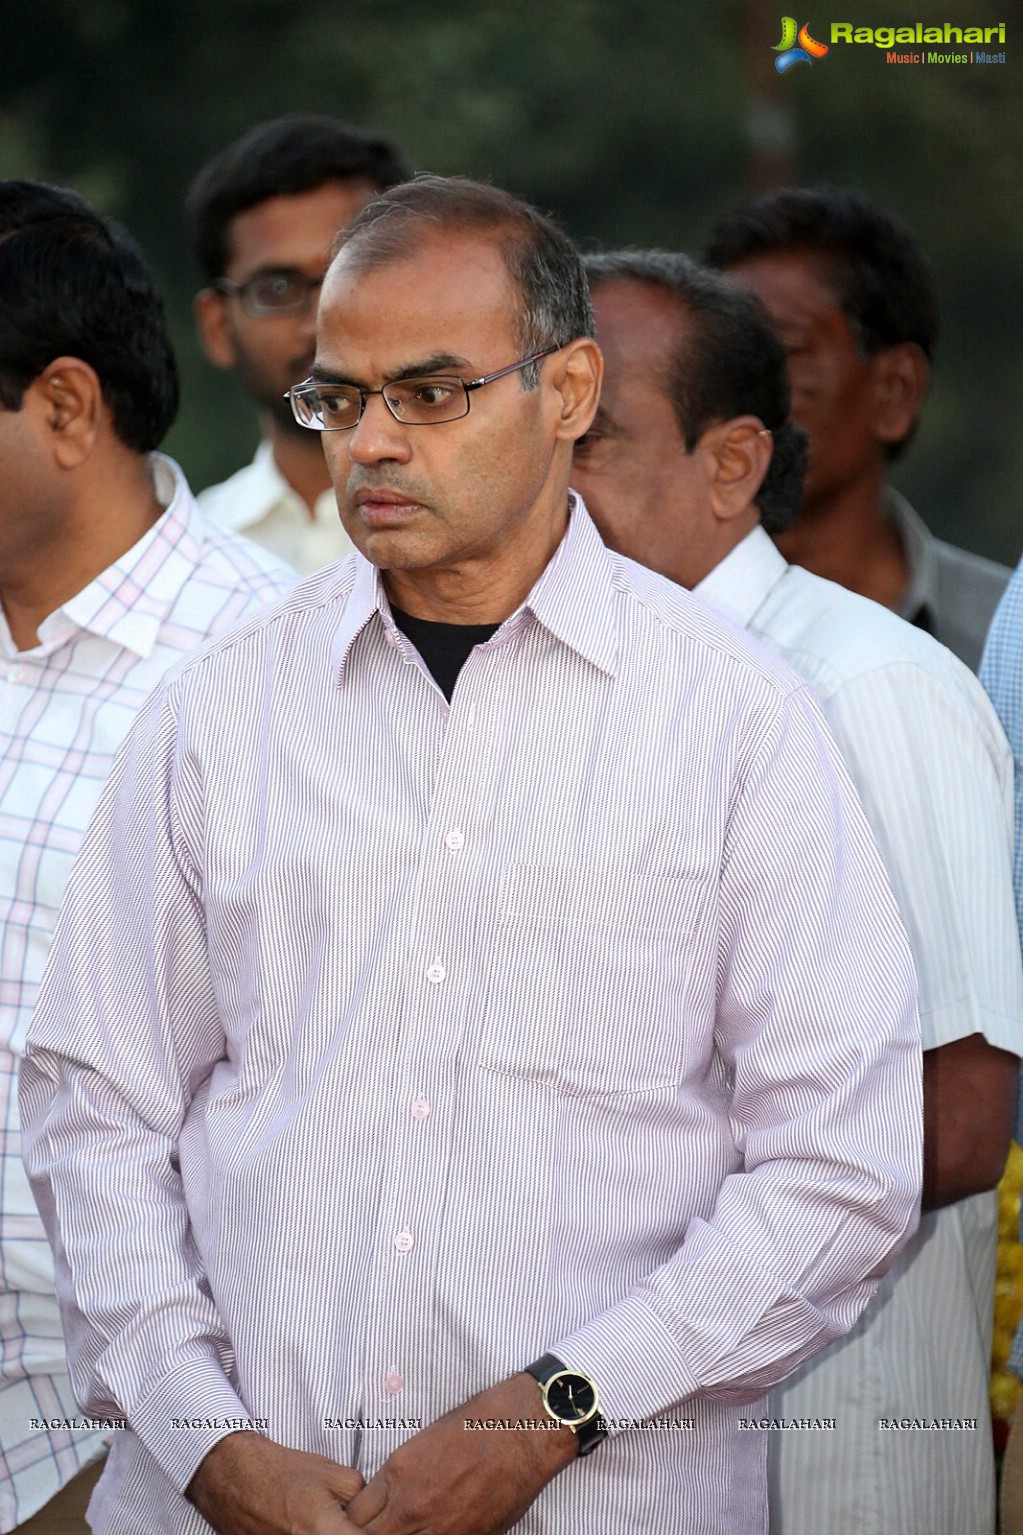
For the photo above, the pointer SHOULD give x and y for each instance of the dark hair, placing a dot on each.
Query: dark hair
(75, 284)
(282, 158)
(541, 260)
(883, 281)
(728, 361)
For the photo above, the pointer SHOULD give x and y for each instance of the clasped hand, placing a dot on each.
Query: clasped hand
(445, 1480)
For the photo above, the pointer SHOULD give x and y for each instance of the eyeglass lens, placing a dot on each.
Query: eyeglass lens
(415, 401)
(271, 291)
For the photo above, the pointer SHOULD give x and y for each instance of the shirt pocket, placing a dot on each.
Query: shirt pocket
(590, 988)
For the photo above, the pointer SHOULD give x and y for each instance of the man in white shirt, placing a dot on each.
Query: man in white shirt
(108, 575)
(690, 463)
(511, 1049)
(264, 213)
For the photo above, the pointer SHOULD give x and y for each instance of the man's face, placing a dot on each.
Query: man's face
(462, 502)
(284, 234)
(33, 512)
(833, 395)
(649, 498)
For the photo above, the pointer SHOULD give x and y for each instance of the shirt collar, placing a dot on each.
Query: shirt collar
(573, 595)
(273, 489)
(264, 457)
(367, 596)
(261, 489)
(745, 577)
(130, 600)
(918, 546)
(572, 598)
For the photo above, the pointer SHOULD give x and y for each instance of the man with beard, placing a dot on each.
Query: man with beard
(264, 213)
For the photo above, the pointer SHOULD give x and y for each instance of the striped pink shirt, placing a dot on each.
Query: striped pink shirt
(388, 1044)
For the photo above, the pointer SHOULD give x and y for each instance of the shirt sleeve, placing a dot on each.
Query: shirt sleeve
(1001, 674)
(817, 1024)
(934, 775)
(104, 1096)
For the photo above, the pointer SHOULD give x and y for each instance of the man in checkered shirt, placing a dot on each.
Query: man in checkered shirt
(108, 575)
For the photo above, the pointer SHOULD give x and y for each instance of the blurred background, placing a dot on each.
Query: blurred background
(635, 121)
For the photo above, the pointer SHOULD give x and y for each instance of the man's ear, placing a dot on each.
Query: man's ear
(901, 376)
(210, 310)
(67, 398)
(740, 452)
(576, 373)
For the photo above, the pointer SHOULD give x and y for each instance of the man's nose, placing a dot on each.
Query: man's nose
(378, 435)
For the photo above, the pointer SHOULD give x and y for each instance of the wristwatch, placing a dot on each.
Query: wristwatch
(570, 1399)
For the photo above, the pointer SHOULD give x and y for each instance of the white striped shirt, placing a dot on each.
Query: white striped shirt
(934, 773)
(388, 1044)
(65, 707)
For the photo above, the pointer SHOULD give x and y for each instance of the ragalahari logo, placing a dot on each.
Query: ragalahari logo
(796, 47)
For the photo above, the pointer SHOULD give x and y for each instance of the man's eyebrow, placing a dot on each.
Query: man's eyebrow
(272, 271)
(439, 362)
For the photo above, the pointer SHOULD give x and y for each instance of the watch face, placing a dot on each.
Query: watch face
(571, 1397)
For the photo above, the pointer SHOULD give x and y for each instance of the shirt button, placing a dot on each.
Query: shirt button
(393, 1384)
(420, 1109)
(436, 973)
(404, 1241)
(454, 840)
(16, 674)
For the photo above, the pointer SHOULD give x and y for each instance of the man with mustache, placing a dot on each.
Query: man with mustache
(510, 1068)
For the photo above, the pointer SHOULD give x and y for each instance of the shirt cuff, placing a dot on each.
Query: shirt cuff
(185, 1415)
(632, 1358)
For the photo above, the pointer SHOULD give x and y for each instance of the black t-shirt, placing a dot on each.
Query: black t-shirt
(444, 647)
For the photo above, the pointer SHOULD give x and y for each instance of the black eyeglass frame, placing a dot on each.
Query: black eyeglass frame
(310, 386)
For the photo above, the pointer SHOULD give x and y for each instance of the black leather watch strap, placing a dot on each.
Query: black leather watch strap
(544, 1368)
(589, 1433)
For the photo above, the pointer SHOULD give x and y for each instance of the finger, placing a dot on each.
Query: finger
(344, 1483)
(368, 1503)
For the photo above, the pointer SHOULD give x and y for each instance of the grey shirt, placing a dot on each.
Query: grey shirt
(952, 593)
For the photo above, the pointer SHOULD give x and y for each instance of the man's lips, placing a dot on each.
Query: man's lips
(382, 507)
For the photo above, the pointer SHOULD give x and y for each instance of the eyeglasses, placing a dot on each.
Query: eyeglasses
(280, 292)
(423, 401)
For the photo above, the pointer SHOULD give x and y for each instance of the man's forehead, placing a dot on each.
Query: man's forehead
(430, 252)
(292, 229)
(443, 291)
(794, 284)
(639, 327)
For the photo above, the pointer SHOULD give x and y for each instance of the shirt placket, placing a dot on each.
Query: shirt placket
(440, 954)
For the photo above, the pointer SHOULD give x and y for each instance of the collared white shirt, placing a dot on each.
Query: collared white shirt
(65, 706)
(575, 1015)
(258, 502)
(934, 774)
